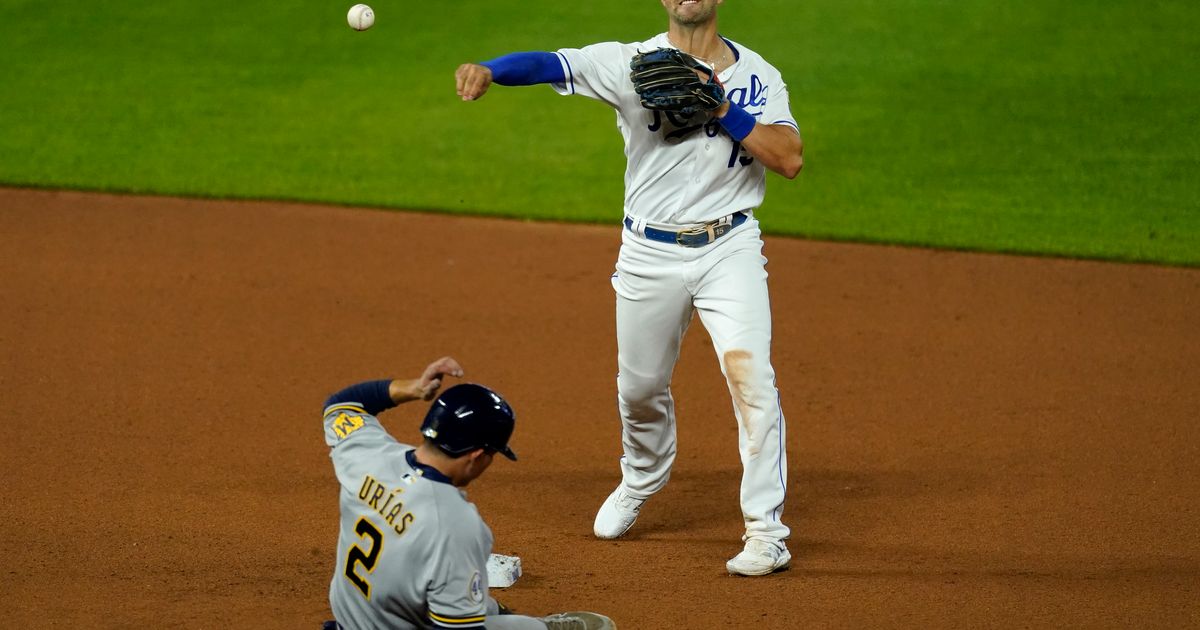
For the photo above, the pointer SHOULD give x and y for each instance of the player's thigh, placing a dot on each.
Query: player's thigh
(735, 308)
(653, 310)
(734, 302)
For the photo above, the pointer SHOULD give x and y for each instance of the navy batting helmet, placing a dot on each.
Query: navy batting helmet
(469, 416)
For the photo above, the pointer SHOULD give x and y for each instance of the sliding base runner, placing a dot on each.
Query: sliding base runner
(412, 551)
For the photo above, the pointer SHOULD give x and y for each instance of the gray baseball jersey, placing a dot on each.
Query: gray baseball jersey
(412, 551)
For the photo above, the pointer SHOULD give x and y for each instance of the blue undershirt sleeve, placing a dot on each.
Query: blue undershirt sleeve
(372, 395)
(526, 68)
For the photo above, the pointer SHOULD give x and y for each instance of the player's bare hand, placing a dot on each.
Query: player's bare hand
(435, 374)
(473, 80)
(426, 386)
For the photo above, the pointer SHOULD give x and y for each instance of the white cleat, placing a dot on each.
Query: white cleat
(760, 557)
(578, 621)
(617, 514)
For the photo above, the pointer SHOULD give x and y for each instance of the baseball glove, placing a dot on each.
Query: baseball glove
(666, 80)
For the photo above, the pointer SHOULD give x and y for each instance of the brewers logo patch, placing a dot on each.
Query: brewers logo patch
(345, 424)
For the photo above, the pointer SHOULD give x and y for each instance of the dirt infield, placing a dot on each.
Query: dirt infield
(974, 440)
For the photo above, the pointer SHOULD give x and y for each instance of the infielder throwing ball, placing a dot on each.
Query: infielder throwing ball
(412, 551)
(699, 138)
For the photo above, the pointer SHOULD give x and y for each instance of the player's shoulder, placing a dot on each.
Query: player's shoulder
(452, 503)
(658, 41)
(365, 456)
(606, 51)
(449, 512)
(750, 57)
(627, 49)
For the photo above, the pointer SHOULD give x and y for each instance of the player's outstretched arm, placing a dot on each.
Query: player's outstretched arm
(777, 147)
(523, 68)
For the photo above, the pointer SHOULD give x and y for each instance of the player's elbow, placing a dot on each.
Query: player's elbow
(791, 167)
(792, 160)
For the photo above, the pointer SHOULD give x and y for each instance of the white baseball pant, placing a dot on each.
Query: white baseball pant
(658, 288)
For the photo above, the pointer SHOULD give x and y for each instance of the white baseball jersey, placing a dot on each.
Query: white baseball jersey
(412, 551)
(681, 171)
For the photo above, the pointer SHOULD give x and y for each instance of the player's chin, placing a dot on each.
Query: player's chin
(692, 14)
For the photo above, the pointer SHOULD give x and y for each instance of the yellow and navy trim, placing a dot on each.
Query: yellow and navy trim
(446, 621)
(351, 407)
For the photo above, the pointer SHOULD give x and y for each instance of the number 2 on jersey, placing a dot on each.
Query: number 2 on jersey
(365, 530)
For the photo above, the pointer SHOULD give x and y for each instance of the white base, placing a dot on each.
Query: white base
(503, 571)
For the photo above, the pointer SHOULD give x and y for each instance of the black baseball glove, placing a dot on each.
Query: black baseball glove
(666, 80)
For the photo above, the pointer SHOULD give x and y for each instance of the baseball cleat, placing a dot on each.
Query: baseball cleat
(760, 557)
(578, 621)
(617, 514)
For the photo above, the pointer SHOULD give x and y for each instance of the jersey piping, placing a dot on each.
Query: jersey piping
(447, 621)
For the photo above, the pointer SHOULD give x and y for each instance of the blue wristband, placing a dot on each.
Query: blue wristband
(738, 122)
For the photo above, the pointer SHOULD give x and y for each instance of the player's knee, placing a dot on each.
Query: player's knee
(639, 392)
(742, 376)
(738, 365)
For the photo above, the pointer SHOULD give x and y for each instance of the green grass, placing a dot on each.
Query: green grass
(1064, 127)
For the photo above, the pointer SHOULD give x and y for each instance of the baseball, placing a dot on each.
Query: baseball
(360, 17)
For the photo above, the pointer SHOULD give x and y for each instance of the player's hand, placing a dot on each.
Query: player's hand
(426, 386)
(431, 380)
(473, 80)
